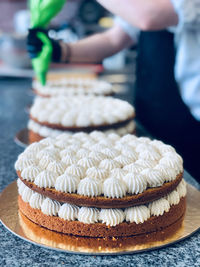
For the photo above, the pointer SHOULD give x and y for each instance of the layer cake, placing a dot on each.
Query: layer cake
(101, 185)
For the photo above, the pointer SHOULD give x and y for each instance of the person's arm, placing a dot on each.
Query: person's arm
(95, 48)
(144, 14)
(92, 49)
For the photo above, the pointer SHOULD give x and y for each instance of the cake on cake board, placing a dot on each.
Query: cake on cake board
(31, 232)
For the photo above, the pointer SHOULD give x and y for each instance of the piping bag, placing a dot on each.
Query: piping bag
(42, 11)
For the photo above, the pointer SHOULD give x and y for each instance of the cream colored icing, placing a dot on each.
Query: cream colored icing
(123, 160)
(81, 136)
(129, 152)
(135, 183)
(35, 147)
(143, 147)
(28, 154)
(111, 217)
(98, 156)
(45, 131)
(50, 207)
(46, 153)
(88, 144)
(89, 187)
(147, 163)
(45, 161)
(20, 186)
(26, 194)
(76, 170)
(67, 152)
(150, 154)
(110, 153)
(114, 188)
(120, 146)
(154, 177)
(30, 173)
(145, 140)
(133, 144)
(97, 118)
(23, 163)
(173, 198)
(62, 144)
(138, 214)
(113, 136)
(88, 215)
(128, 138)
(55, 117)
(82, 153)
(36, 201)
(133, 167)
(47, 141)
(63, 137)
(118, 173)
(69, 119)
(182, 189)
(87, 162)
(67, 183)
(73, 86)
(109, 164)
(42, 130)
(172, 160)
(163, 149)
(68, 212)
(83, 120)
(98, 148)
(156, 143)
(158, 207)
(75, 146)
(108, 143)
(128, 128)
(78, 111)
(168, 173)
(45, 179)
(57, 167)
(97, 135)
(97, 173)
(69, 160)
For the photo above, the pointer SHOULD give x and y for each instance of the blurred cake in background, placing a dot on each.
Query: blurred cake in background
(50, 117)
(72, 84)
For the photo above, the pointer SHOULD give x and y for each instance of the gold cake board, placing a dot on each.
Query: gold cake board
(22, 227)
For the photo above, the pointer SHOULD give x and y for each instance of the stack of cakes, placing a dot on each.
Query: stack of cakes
(101, 185)
(50, 117)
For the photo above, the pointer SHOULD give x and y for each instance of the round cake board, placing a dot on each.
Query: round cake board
(23, 228)
(21, 138)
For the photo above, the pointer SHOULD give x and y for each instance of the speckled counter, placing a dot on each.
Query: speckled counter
(14, 98)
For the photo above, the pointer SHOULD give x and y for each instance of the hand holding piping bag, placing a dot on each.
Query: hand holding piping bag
(42, 11)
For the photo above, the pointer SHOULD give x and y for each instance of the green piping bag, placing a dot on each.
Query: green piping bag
(42, 11)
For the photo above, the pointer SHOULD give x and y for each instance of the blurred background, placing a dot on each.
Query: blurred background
(78, 18)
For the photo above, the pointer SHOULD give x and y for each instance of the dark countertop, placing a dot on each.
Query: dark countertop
(16, 252)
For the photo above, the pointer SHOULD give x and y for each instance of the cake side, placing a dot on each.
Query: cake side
(81, 221)
(38, 131)
(148, 195)
(90, 244)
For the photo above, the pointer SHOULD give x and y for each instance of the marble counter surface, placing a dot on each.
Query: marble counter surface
(14, 98)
